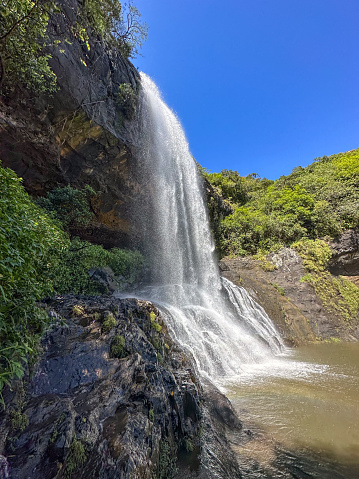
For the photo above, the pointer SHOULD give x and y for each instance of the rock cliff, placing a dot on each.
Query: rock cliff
(293, 305)
(81, 135)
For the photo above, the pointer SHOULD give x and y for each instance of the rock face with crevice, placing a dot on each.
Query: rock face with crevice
(80, 135)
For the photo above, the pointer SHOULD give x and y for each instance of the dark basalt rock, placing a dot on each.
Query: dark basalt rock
(133, 417)
(345, 260)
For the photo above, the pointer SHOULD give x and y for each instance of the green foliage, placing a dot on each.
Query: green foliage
(121, 28)
(75, 458)
(78, 310)
(23, 34)
(230, 185)
(72, 273)
(279, 289)
(37, 258)
(166, 467)
(118, 347)
(188, 444)
(30, 247)
(18, 419)
(338, 295)
(70, 206)
(315, 253)
(151, 414)
(127, 99)
(109, 323)
(103, 16)
(317, 201)
(23, 25)
(155, 325)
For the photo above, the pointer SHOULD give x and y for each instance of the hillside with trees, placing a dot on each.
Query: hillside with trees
(319, 201)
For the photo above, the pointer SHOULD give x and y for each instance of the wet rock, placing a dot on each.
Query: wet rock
(92, 415)
(4, 468)
(105, 278)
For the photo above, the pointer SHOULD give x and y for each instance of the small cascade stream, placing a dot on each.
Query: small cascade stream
(214, 320)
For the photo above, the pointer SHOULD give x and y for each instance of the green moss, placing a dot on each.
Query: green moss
(118, 347)
(151, 414)
(55, 432)
(332, 340)
(109, 323)
(157, 327)
(279, 289)
(78, 310)
(264, 263)
(75, 458)
(188, 444)
(19, 420)
(338, 295)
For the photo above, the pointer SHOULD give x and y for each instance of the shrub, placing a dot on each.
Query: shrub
(317, 201)
(30, 247)
(70, 206)
(107, 19)
(127, 99)
(155, 325)
(167, 459)
(75, 458)
(109, 323)
(72, 273)
(117, 348)
(315, 253)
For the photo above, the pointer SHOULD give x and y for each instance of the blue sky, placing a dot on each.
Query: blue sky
(259, 85)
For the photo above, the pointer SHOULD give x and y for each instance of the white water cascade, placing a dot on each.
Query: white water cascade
(216, 321)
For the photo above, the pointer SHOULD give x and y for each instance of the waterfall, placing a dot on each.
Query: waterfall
(214, 320)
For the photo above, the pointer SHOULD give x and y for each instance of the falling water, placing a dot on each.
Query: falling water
(217, 322)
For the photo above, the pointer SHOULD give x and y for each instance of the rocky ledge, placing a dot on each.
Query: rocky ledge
(112, 396)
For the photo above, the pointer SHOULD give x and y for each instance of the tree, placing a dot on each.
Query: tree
(120, 27)
(23, 25)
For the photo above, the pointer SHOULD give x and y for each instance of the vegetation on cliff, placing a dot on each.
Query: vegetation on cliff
(321, 200)
(25, 43)
(30, 245)
(37, 258)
